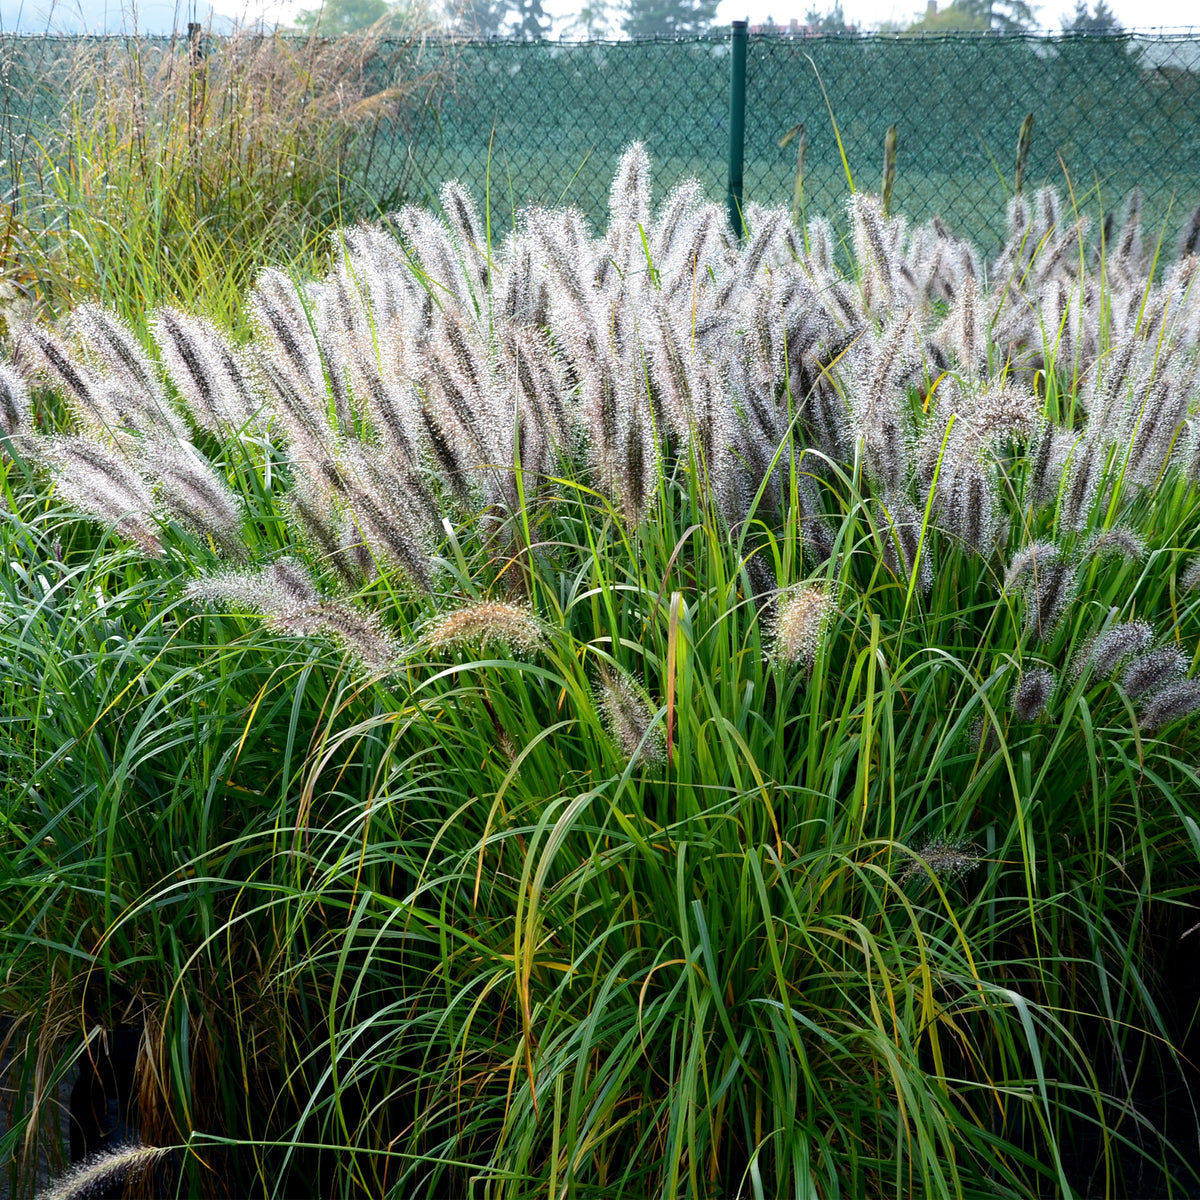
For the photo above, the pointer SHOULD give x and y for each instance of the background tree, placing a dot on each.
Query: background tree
(529, 21)
(958, 17)
(999, 16)
(593, 20)
(833, 21)
(335, 17)
(669, 18)
(480, 18)
(1101, 20)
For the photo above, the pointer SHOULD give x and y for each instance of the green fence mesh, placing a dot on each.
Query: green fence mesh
(545, 122)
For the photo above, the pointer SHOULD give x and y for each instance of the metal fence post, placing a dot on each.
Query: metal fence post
(737, 124)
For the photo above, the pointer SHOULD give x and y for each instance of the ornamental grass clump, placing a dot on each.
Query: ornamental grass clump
(615, 712)
(240, 147)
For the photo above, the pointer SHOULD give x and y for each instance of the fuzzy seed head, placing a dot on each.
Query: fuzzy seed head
(1048, 597)
(1145, 675)
(946, 859)
(102, 1172)
(104, 485)
(192, 491)
(1030, 561)
(14, 402)
(205, 370)
(1032, 693)
(487, 622)
(1189, 581)
(629, 716)
(801, 626)
(1169, 704)
(1112, 647)
(1116, 543)
(289, 603)
(283, 592)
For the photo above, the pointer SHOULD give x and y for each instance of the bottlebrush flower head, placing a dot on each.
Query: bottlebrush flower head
(14, 402)
(104, 485)
(1032, 693)
(487, 623)
(1145, 675)
(1169, 704)
(945, 858)
(629, 717)
(289, 602)
(1112, 647)
(800, 626)
(206, 371)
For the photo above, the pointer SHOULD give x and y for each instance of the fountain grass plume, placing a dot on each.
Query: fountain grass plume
(1048, 594)
(39, 353)
(1170, 703)
(1118, 542)
(14, 402)
(1032, 692)
(802, 621)
(284, 324)
(1084, 470)
(1189, 235)
(875, 252)
(964, 332)
(1189, 581)
(483, 624)
(121, 1166)
(901, 530)
(206, 372)
(104, 485)
(1146, 674)
(944, 858)
(459, 206)
(629, 211)
(629, 717)
(392, 515)
(1108, 650)
(289, 602)
(191, 490)
(672, 228)
(878, 363)
(127, 369)
(437, 260)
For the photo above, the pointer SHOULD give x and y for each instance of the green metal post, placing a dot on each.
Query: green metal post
(737, 124)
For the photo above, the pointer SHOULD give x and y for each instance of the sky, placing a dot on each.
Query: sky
(157, 15)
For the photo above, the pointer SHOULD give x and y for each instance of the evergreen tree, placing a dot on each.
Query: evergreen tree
(335, 17)
(1101, 20)
(999, 16)
(530, 23)
(522, 20)
(833, 21)
(593, 20)
(669, 18)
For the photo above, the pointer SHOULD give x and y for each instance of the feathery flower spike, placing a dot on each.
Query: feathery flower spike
(484, 623)
(629, 716)
(800, 627)
(1032, 693)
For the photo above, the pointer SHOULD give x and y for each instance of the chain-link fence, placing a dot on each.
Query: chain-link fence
(545, 122)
